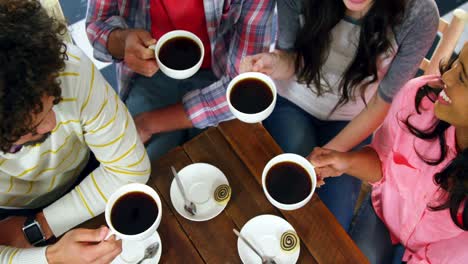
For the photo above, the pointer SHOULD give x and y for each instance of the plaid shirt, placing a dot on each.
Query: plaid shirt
(236, 28)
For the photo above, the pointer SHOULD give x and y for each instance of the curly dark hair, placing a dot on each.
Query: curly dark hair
(32, 54)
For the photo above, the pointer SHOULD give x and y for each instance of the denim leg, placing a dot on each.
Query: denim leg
(160, 91)
(291, 127)
(371, 235)
(398, 252)
(339, 194)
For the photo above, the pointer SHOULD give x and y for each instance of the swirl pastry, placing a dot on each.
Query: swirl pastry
(222, 194)
(289, 241)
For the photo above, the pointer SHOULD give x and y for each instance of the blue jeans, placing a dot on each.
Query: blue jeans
(371, 235)
(160, 91)
(296, 131)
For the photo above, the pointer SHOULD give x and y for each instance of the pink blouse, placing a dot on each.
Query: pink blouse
(402, 196)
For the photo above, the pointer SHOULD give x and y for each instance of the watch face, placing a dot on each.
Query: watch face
(33, 233)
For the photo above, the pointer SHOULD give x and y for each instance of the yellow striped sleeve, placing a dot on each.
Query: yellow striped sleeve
(134, 173)
(111, 120)
(121, 156)
(25, 171)
(30, 187)
(63, 74)
(138, 162)
(112, 141)
(74, 56)
(100, 110)
(65, 142)
(90, 90)
(78, 190)
(11, 185)
(64, 123)
(3, 161)
(97, 188)
(13, 255)
(66, 100)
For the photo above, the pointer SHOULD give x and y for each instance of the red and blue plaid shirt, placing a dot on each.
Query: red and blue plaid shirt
(236, 28)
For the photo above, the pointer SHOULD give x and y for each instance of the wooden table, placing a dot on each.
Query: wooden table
(241, 151)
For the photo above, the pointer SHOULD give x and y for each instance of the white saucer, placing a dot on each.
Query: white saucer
(138, 248)
(264, 232)
(200, 180)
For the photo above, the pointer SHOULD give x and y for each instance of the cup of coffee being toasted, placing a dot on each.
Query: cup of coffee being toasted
(251, 96)
(289, 181)
(179, 54)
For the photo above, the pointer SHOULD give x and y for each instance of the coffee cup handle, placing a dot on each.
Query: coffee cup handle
(152, 47)
(110, 233)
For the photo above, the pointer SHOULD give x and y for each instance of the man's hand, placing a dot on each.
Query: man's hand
(166, 119)
(132, 45)
(143, 125)
(84, 246)
(11, 232)
(278, 65)
(328, 163)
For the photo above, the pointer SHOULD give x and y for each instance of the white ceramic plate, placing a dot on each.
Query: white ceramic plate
(201, 182)
(265, 232)
(138, 250)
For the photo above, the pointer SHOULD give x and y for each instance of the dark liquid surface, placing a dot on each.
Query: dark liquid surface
(179, 53)
(288, 182)
(251, 96)
(134, 213)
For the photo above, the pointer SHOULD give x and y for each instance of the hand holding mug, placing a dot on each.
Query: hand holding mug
(278, 65)
(328, 163)
(84, 246)
(137, 55)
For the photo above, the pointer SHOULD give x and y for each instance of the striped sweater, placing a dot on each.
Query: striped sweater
(90, 117)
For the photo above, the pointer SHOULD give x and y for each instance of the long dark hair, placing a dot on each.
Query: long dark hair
(313, 43)
(454, 177)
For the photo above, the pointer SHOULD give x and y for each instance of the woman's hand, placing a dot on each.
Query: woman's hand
(328, 163)
(278, 65)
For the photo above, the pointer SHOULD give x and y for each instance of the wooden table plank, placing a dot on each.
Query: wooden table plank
(315, 224)
(247, 200)
(209, 237)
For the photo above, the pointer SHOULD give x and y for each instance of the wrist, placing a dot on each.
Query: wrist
(116, 42)
(40, 218)
(52, 255)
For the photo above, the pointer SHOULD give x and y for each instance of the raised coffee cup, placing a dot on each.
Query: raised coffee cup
(251, 96)
(179, 54)
(289, 181)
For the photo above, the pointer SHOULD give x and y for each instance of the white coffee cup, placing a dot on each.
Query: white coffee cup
(255, 117)
(301, 161)
(132, 241)
(178, 74)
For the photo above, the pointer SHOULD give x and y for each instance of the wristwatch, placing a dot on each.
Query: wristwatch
(33, 232)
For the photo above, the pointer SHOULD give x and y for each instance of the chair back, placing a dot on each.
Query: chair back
(450, 33)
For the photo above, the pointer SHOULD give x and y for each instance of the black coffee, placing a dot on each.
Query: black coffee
(288, 182)
(179, 53)
(251, 96)
(134, 213)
